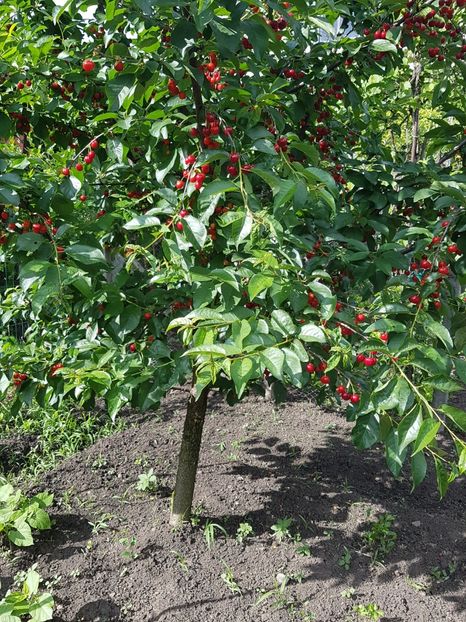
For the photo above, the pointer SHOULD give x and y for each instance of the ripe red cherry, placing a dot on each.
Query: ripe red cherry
(415, 299)
(28, 82)
(184, 213)
(36, 227)
(234, 157)
(94, 144)
(436, 239)
(384, 337)
(437, 304)
(182, 95)
(179, 226)
(360, 317)
(132, 347)
(425, 264)
(20, 86)
(341, 389)
(83, 197)
(65, 171)
(190, 160)
(88, 65)
(179, 184)
(310, 367)
(361, 358)
(453, 249)
(147, 315)
(79, 166)
(345, 396)
(370, 361)
(325, 379)
(355, 398)
(119, 65)
(88, 159)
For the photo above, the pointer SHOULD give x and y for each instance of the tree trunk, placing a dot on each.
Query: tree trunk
(415, 89)
(188, 459)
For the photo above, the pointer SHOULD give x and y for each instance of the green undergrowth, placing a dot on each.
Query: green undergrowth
(50, 436)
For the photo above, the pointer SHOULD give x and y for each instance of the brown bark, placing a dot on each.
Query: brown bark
(188, 459)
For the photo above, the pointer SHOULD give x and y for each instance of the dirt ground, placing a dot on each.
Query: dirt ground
(112, 555)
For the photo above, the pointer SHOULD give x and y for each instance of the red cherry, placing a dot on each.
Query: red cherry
(341, 389)
(28, 82)
(370, 361)
(437, 304)
(182, 95)
(415, 299)
(83, 198)
(20, 86)
(234, 157)
(355, 399)
(360, 317)
(425, 264)
(346, 396)
(88, 65)
(94, 144)
(179, 226)
(453, 249)
(384, 337)
(310, 367)
(325, 379)
(179, 184)
(119, 65)
(65, 171)
(79, 166)
(361, 358)
(88, 159)
(147, 315)
(132, 347)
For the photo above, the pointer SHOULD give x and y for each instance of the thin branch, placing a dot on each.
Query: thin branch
(452, 152)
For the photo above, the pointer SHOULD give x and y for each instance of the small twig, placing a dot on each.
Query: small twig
(452, 152)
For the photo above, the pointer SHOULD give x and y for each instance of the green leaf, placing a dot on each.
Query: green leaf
(242, 370)
(120, 91)
(441, 476)
(195, 231)
(408, 428)
(382, 45)
(312, 333)
(393, 454)
(427, 433)
(457, 415)
(140, 222)
(21, 535)
(257, 284)
(460, 367)
(40, 520)
(85, 254)
(418, 468)
(282, 322)
(273, 359)
(438, 330)
(366, 431)
(9, 196)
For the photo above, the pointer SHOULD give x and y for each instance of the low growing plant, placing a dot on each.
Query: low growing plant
(27, 602)
(380, 538)
(20, 515)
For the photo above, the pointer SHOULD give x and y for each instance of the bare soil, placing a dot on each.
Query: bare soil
(112, 555)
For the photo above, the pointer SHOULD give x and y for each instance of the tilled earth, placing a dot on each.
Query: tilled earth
(112, 555)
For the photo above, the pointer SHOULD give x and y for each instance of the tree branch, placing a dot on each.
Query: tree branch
(452, 152)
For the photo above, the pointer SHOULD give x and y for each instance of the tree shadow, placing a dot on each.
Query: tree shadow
(102, 609)
(327, 492)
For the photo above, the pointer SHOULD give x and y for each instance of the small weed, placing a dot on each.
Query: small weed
(440, 575)
(101, 523)
(244, 531)
(281, 529)
(182, 561)
(228, 578)
(348, 593)
(196, 514)
(345, 559)
(209, 532)
(304, 550)
(99, 463)
(380, 539)
(371, 611)
(222, 446)
(148, 482)
(129, 552)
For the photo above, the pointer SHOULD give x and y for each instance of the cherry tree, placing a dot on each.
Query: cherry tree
(248, 195)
